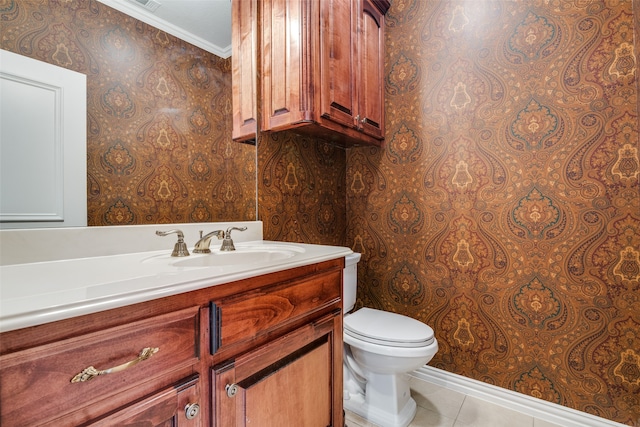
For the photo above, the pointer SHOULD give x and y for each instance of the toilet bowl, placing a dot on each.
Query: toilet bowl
(380, 349)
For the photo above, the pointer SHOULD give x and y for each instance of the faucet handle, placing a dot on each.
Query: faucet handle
(180, 248)
(228, 233)
(227, 243)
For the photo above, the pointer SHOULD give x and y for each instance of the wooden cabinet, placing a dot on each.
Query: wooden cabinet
(292, 380)
(244, 317)
(322, 68)
(244, 14)
(296, 372)
(352, 66)
(371, 69)
(69, 381)
(276, 337)
(174, 406)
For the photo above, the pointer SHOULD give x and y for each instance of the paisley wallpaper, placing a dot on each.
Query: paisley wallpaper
(301, 189)
(504, 210)
(159, 146)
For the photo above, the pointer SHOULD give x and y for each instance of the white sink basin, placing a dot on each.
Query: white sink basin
(247, 257)
(243, 255)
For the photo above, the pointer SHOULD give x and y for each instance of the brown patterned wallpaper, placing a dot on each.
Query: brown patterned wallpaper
(301, 189)
(504, 210)
(159, 146)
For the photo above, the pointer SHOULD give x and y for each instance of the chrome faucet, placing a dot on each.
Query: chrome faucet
(202, 245)
(227, 243)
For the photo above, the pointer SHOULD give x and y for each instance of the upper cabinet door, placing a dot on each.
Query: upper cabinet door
(284, 56)
(244, 70)
(338, 62)
(371, 57)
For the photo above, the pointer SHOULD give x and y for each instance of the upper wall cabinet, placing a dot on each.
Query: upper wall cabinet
(244, 70)
(322, 68)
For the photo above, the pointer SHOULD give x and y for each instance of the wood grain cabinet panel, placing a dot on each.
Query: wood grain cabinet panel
(248, 315)
(338, 91)
(292, 381)
(36, 384)
(322, 67)
(371, 69)
(244, 69)
(175, 406)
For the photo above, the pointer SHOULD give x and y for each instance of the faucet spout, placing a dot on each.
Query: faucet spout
(202, 245)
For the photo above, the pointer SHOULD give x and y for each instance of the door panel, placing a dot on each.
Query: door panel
(338, 30)
(371, 93)
(294, 381)
(300, 391)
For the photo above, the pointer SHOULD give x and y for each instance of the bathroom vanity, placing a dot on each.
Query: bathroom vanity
(209, 345)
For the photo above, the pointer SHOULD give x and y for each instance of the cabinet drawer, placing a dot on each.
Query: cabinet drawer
(36, 384)
(248, 316)
(174, 406)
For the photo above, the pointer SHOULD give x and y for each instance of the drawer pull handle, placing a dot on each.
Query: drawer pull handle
(91, 372)
(232, 389)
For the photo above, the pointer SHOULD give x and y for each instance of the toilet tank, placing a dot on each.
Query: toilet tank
(350, 281)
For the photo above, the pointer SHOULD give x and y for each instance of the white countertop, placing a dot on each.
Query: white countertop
(41, 292)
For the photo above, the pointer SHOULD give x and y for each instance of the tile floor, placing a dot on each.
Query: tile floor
(441, 407)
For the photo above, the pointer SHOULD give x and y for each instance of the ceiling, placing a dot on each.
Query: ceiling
(203, 23)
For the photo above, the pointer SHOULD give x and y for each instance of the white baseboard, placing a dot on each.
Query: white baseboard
(536, 408)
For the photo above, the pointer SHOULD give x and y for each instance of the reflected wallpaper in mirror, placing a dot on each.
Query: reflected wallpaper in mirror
(159, 146)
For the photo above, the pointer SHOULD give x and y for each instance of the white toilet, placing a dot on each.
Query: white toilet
(380, 349)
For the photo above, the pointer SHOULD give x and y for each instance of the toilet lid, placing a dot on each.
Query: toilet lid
(385, 328)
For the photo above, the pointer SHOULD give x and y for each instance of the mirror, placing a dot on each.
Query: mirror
(159, 147)
(203, 23)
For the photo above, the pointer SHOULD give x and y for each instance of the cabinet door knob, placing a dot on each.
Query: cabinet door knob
(191, 410)
(232, 389)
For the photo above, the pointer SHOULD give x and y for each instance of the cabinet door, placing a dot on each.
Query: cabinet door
(371, 65)
(285, 32)
(294, 381)
(176, 406)
(338, 37)
(244, 71)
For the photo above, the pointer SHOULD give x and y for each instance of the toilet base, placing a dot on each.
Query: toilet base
(357, 405)
(387, 401)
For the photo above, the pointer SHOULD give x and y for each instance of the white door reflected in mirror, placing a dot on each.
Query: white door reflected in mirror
(43, 113)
